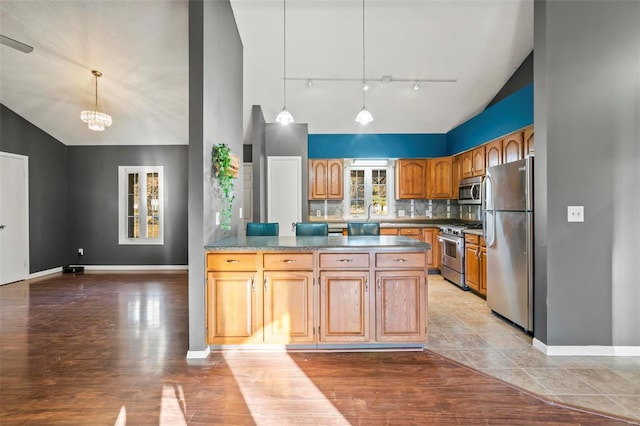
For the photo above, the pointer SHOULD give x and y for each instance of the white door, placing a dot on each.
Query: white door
(14, 218)
(284, 192)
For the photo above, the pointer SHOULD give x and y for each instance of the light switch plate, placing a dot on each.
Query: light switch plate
(217, 218)
(240, 214)
(575, 213)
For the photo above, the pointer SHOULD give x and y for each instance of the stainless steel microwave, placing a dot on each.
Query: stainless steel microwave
(470, 191)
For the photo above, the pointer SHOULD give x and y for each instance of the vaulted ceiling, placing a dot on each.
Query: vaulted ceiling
(141, 47)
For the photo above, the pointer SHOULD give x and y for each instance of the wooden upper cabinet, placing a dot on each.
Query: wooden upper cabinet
(441, 181)
(326, 179)
(456, 175)
(529, 148)
(512, 149)
(411, 178)
(478, 161)
(493, 153)
(466, 164)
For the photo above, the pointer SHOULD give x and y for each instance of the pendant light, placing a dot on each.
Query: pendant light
(95, 119)
(364, 116)
(284, 117)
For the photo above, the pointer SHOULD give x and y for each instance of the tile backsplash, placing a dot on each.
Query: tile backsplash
(421, 209)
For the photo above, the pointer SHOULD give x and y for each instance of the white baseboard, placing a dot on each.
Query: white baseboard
(199, 354)
(45, 272)
(586, 350)
(135, 267)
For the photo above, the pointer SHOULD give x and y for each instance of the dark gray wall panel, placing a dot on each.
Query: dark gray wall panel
(93, 205)
(48, 195)
(591, 105)
(520, 78)
(259, 164)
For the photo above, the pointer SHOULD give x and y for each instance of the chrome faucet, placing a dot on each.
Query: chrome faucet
(369, 212)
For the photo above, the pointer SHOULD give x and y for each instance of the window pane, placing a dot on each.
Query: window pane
(379, 191)
(152, 205)
(357, 192)
(133, 212)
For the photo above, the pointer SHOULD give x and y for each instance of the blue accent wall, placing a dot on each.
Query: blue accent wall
(504, 117)
(508, 115)
(389, 145)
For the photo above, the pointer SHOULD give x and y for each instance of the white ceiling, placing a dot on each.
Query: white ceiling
(142, 49)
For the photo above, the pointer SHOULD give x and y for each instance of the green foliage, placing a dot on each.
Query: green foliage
(221, 169)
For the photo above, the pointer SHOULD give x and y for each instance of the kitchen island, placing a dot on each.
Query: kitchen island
(316, 293)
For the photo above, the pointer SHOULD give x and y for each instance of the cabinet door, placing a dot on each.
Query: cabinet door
(288, 307)
(529, 148)
(466, 164)
(401, 306)
(478, 161)
(512, 147)
(411, 179)
(335, 184)
(430, 235)
(493, 153)
(344, 306)
(456, 175)
(233, 306)
(318, 179)
(441, 182)
(472, 266)
(483, 270)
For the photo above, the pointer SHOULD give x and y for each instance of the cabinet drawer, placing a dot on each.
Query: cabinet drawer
(401, 260)
(482, 242)
(288, 261)
(410, 231)
(344, 260)
(472, 239)
(232, 261)
(388, 231)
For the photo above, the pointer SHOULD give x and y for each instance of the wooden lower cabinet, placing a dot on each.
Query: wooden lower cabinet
(475, 263)
(288, 307)
(401, 306)
(234, 308)
(344, 306)
(430, 235)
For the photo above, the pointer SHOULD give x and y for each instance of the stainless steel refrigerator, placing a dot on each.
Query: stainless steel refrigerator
(508, 232)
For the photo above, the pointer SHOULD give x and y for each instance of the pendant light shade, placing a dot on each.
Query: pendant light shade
(364, 116)
(284, 117)
(95, 119)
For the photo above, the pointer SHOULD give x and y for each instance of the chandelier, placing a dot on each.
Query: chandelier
(95, 119)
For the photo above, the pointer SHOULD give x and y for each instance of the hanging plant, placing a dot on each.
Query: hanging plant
(223, 170)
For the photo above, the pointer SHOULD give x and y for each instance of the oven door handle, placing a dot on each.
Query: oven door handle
(442, 239)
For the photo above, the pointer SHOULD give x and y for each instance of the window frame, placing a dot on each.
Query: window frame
(368, 168)
(123, 174)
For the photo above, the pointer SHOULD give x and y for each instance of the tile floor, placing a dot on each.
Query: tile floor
(462, 328)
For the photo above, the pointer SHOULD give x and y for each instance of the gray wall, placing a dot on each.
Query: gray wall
(215, 116)
(290, 140)
(259, 163)
(93, 205)
(587, 122)
(48, 195)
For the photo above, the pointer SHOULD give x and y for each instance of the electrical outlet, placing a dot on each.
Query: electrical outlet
(575, 213)
(318, 213)
(80, 252)
(217, 218)
(240, 214)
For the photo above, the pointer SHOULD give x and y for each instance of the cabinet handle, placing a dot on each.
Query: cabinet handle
(366, 284)
(287, 261)
(400, 260)
(345, 260)
(266, 286)
(232, 261)
(379, 284)
(477, 254)
(253, 284)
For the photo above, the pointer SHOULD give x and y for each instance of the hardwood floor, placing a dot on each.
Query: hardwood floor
(109, 349)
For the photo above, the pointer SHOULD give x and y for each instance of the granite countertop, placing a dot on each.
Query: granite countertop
(473, 231)
(399, 222)
(387, 242)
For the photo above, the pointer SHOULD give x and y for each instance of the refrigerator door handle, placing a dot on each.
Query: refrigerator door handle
(490, 241)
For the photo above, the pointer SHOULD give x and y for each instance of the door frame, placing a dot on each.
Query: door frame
(298, 181)
(25, 163)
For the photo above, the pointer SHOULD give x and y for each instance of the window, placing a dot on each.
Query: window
(141, 209)
(369, 183)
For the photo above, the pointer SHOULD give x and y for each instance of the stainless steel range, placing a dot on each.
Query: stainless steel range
(451, 240)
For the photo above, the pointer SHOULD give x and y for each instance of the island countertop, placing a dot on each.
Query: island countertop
(386, 242)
